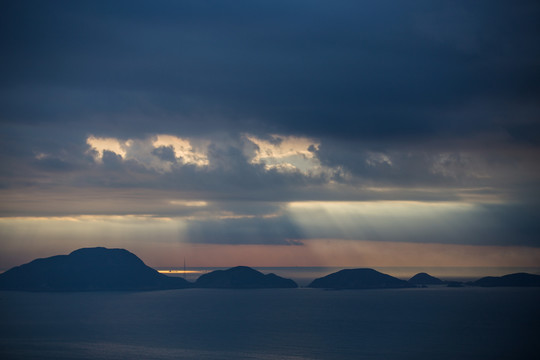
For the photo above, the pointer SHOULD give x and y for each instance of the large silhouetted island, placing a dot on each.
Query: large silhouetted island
(242, 277)
(358, 279)
(90, 269)
(518, 279)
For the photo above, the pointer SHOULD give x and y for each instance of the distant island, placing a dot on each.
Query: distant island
(518, 279)
(242, 277)
(359, 279)
(425, 279)
(102, 269)
(89, 269)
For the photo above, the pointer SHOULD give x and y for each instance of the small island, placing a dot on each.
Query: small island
(242, 277)
(425, 279)
(88, 269)
(359, 279)
(517, 279)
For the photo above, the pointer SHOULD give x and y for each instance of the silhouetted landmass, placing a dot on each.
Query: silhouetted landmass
(358, 279)
(518, 279)
(242, 277)
(94, 269)
(89, 269)
(425, 279)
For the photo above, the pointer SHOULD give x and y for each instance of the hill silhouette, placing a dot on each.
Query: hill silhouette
(242, 277)
(88, 269)
(425, 279)
(358, 279)
(517, 279)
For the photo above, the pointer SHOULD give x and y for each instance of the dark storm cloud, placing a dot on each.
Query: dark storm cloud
(386, 70)
(486, 161)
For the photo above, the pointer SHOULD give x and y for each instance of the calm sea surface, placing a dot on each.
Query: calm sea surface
(432, 323)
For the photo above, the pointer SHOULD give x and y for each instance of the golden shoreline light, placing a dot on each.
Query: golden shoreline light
(179, 271)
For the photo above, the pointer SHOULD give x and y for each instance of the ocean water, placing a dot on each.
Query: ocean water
(300, 324)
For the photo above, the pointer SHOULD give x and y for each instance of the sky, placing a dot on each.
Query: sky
(272, 133)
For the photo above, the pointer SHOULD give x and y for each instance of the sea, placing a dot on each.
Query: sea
(290, 324)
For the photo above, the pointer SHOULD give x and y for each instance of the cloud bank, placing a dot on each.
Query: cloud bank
(275, 122)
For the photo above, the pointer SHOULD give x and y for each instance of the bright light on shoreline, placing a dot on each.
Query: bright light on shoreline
(179, 271)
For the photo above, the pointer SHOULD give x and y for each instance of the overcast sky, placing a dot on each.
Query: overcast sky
(284, 132)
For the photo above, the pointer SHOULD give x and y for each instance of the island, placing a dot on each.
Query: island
(242, 277)
(359, 279)
(425, 279)
(88, 269)
(517, 279)
(102, 269)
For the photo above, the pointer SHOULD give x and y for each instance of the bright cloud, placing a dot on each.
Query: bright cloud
(143, 151)
(188, 203)
(183, 149)
(286, 153)
(101, 144)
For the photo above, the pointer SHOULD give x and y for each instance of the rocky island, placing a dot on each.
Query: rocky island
(242, 277)
(425, 279)
(517, 279)
(359, 279)
(89, 269)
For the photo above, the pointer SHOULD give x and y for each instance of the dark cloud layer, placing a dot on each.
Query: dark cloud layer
(417, 101)
(380, 70)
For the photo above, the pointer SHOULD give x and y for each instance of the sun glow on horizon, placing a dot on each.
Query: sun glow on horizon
(139, 234)
(178, 272)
